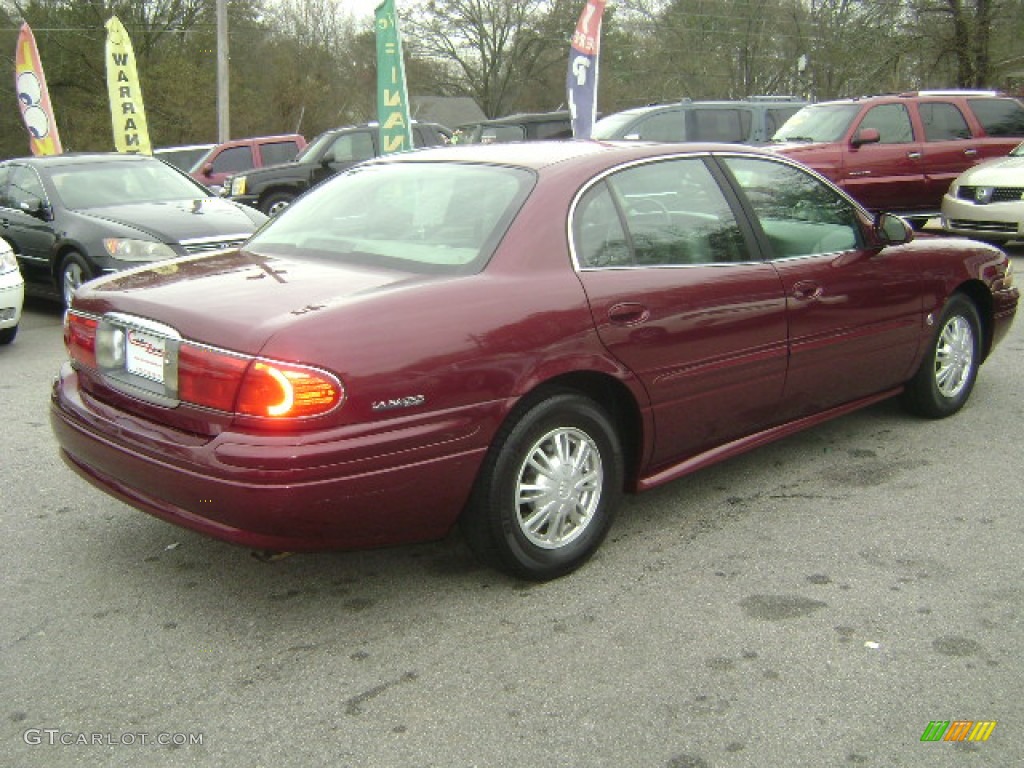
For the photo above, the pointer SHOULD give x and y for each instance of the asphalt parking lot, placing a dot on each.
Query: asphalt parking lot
(819, 602)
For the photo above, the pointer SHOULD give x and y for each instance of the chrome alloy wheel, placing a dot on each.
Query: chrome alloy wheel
(954, 356)
(73, 277)
(559, 487)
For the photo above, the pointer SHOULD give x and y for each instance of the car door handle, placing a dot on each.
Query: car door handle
(806, 290)
(628, 313)
(971, 152)
(914, 155)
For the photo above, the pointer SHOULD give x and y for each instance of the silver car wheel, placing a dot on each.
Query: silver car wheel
(73, 277)
(559, 488)
(954, 356)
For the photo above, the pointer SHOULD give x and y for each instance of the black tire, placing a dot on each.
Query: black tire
(7, 334)
(73, 272)
(949, 369)
(276, 202)
(582, 494)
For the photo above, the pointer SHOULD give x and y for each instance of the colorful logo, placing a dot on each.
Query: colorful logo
(958, 730)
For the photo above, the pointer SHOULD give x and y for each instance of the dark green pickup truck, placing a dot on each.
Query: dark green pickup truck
(273, 187)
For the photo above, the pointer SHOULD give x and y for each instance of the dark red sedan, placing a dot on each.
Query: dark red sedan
(509, 337)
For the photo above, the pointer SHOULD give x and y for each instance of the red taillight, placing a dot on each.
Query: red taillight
(208, 377)
(250, 387)
(278, 390)
(80, 338)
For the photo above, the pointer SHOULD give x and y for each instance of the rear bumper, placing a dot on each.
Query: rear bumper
(268, 491)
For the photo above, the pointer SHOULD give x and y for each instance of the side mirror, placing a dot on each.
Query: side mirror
(207, 169)
(34, 206)
(866, 136)
(892, 230)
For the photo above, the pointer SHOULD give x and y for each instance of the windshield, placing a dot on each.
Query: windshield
(97, 185)
(613, 126)
(826, 122)
(411, 216)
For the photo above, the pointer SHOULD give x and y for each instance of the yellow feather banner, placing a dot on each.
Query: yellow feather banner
(131, 133)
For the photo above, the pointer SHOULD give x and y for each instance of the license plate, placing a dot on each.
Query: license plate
(144, 354)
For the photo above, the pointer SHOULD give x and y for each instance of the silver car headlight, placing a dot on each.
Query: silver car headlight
(124, 249)
(8, 262)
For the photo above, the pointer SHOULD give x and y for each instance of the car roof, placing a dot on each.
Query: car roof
(910, 95)
(523, 117)
(82, 158)
(760, 101)
(541, 154)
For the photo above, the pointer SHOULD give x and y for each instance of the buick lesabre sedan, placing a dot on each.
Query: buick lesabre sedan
(508, 338)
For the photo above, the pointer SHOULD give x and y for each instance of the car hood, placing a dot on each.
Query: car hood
(177, 220)
(240, 300)
(1001, 172)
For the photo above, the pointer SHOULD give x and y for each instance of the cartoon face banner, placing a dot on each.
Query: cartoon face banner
(33, 98)
(581, 79)
(131, 133)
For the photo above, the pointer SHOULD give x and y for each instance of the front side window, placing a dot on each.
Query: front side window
(663, 126)
(443, 218)
(351, 148)
(943, 122)
(798, 213)
(24, 188)
(892, 121)
(668, 213)
(233, 160)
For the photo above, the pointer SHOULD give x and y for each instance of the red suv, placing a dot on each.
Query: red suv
(900, 153)
(240, 155)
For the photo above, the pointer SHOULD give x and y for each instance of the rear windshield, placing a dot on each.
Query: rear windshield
(999, 117)
(435, 218)
(826, 122)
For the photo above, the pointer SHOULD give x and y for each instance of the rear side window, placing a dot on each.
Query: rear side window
(999, 117)
(943, 122)
(233, 160)
(279, 152)
(729, 125)
(560, 129)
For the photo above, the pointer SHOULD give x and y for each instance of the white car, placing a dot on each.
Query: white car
(12, 293)
(986, 202)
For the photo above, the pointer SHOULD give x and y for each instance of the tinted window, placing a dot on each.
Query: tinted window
(663, 126)
(892, 121)
(418, 217)
(24, 187)
(674, 214)
(233, 160)
(351, 147)
(943, 122)
(730, 125)
(560, 129)
(799, 215)
(999, 117)
(278, 152)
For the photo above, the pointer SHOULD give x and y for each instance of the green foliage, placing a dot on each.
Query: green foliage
(307, 65)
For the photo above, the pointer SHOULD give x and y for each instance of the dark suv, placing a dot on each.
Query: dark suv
(746, 121)
(900, 153)
(524, 126)
(274, 187)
